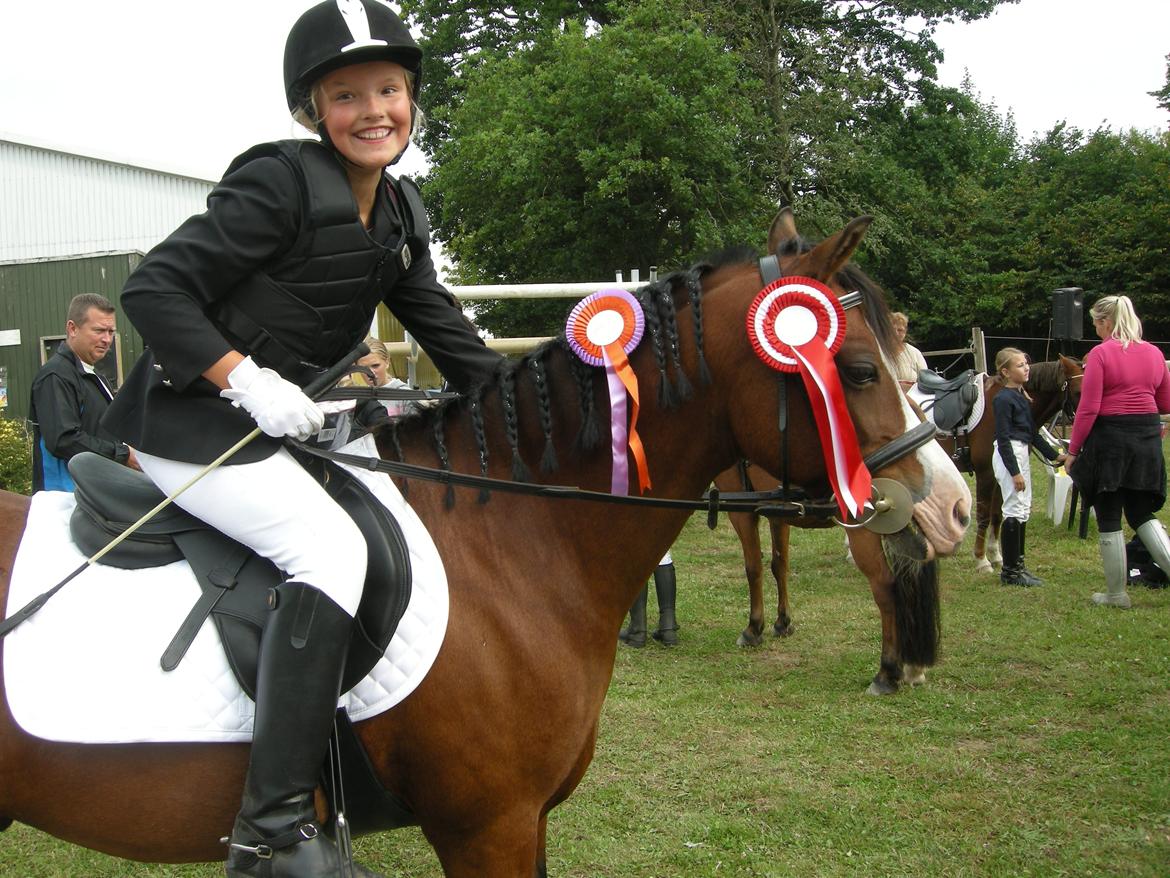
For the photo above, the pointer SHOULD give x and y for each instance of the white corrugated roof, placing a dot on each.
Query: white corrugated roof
(56, 203)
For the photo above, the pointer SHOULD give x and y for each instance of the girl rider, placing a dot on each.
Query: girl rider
(241, 307)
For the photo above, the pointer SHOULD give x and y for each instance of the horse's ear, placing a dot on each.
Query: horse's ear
(783, 229)
(831, 255)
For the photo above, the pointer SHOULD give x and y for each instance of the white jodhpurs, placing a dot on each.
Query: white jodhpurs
(276, 509)
(1016, 504)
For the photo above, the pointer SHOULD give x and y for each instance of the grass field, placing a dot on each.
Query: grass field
(1040, 744)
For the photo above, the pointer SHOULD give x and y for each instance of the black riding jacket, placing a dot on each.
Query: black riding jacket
(65, 411)
(279, 267)
(1013, 420)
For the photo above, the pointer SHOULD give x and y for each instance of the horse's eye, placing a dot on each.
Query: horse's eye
(860, 373)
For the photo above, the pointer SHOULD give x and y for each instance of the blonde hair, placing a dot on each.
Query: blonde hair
(378, 348)
(899, 319)
(1119, 311)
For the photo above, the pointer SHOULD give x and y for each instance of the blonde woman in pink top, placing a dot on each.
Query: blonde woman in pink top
(1115, 454)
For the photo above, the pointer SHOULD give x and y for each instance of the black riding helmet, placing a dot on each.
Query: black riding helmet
(338, 33)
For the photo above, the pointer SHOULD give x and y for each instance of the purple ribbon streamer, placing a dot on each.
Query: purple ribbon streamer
(620, 479)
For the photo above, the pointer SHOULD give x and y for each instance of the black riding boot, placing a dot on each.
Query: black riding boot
(665, 587)
(1036, 580)
(302, 653)
(634, 634)
(1013, 572)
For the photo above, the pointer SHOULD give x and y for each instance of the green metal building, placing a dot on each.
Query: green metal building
(34, 298)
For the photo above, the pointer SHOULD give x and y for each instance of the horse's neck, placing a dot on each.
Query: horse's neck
(1044, 405)
(680, 450)
(1046, 392)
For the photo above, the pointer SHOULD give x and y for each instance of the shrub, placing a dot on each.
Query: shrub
(15, 457)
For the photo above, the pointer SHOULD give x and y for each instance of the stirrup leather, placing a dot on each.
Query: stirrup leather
(265, 850)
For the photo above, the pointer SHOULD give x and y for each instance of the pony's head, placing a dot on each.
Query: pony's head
(880, 412)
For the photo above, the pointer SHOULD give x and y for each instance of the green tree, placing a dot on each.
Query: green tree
(458, 37)
(927, 171)
(590, 152)
(827, 67)
(1092, 211)
(821, 65)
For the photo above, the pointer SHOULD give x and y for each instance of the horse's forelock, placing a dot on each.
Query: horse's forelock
(850, 277)
(877, 309)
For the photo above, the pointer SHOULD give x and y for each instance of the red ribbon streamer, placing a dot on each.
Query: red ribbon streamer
(848, 474)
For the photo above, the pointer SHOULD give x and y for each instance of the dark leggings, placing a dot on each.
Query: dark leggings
(1139, 507)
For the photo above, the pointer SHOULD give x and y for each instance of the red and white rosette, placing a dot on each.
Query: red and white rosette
(602, 329)
(796, 324)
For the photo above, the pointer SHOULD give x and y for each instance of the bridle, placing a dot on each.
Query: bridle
(1066, 404)
(892, 502)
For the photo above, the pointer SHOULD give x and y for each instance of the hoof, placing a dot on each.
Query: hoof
(779, 630)
(747, 639)
(881, 687)
(984, 566)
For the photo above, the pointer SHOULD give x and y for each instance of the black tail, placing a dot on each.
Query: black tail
(917, 612)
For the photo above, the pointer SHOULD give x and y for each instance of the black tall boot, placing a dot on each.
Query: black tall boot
(1024, 571)
(634, 634)
(1013, 572)
(665, 587)
(302, 654)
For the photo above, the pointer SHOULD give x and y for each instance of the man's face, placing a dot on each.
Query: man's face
(90, 339)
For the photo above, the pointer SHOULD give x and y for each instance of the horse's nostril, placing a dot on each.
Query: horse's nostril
(962, 513)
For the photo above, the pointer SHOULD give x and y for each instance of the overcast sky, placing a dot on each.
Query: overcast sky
(184, 87)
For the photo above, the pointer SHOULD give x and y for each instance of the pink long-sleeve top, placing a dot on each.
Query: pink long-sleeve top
(1120, 381)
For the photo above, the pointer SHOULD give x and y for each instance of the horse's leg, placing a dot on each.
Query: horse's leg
(747, 529)
(541, 850)
(867, 553)
(781, 533)
(505, 847)
(984, 482)
(994, 553)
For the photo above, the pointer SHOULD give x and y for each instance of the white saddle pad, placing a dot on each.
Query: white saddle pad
(925, 401)
(86, 668)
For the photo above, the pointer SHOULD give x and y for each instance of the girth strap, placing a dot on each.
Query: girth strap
(215, 583)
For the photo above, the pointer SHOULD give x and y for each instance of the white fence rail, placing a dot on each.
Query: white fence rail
(480, 292)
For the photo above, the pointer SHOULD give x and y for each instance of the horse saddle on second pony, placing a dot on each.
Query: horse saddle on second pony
(235, 581)
(953, 398)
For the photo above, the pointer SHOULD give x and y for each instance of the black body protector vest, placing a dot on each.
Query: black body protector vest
(314, 303)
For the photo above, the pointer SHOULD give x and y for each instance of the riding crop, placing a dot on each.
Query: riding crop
(314, 389)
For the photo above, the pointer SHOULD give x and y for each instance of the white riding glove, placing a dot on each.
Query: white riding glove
(279, 407)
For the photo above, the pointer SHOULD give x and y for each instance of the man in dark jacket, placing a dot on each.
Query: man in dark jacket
(69, 397)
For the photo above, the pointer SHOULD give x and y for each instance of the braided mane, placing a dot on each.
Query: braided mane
(660, 303)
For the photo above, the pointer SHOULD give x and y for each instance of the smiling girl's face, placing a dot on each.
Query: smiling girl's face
(366, 112)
